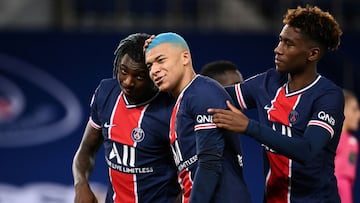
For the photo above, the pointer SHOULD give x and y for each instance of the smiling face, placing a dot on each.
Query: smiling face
(134, 80)
(294, 51)
(166, 64)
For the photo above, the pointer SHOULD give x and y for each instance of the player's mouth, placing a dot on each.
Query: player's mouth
(158, 80)
(277, 61)
(127, 91)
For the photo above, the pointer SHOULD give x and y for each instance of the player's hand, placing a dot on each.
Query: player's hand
(148, 41)
(83, 194)
(232, 119)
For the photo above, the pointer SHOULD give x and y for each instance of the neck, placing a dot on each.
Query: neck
(145, 97)
(185, 80)
(298, 81)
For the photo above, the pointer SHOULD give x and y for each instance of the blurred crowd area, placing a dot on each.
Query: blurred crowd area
(193, 15)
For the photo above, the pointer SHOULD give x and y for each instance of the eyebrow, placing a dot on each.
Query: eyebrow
(157, 57)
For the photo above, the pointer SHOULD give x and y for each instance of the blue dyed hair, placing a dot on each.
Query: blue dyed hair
(168, 37)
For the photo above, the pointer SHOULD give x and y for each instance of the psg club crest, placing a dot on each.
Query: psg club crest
(137, 134)
(293, 117)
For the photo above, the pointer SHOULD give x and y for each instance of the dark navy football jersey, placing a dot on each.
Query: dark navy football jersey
(195, 137)
(290, 113)
(136, 143)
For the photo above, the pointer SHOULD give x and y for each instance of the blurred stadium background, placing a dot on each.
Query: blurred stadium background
(53, 54)
(179, 15)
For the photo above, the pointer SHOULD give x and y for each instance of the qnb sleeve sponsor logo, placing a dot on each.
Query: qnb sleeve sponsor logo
(326, 117)
(204, 122)
(35, 108)
(204, 118)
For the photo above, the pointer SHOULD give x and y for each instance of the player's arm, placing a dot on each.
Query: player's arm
(316, 135)
(300, 149)
(210, 146)
(83, 164)
(324, 123)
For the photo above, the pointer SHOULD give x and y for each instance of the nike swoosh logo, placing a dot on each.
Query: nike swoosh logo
(107, 125)
(267, 107)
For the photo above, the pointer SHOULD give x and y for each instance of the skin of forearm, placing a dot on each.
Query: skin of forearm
(82, 167)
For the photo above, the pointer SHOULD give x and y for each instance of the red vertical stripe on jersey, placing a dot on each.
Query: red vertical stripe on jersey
(282, 106)
(123, 191)
(124, 120)
(172, 133)
(186, 184)
(278, 181)
(124, 124)
(184, 177)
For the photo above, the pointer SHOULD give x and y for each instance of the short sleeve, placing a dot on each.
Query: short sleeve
(328, 111)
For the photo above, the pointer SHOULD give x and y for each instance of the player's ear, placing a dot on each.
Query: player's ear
(314, 54)
(186, 57)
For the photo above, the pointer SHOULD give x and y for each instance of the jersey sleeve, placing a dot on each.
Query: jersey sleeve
(243, 93)
(98, 100)
(300, 149)
(94, 119)
(328, 111)
(209, 141)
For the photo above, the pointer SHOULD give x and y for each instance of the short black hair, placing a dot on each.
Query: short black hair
(216, 68)
(133, 45)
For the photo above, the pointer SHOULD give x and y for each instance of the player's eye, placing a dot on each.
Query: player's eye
(140, 77)
(148, 66)
(123, 71)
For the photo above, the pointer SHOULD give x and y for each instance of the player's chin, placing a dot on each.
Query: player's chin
(280, 69)
(163, 88)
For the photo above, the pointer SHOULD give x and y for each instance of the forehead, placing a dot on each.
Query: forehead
(291, 33)
(128, 62)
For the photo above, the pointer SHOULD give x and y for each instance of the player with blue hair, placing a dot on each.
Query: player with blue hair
(171, 38)
(208, 158)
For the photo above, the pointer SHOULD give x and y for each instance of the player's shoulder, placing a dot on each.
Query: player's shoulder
(164, 98)
(327, 83)
(204, 90)
(106, 88)
(327, 86)
(203, 83)
(108, 83)
(270, 75)
(325, 91)
(162, 105)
